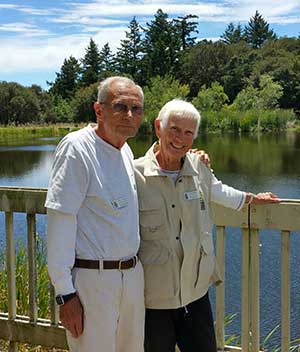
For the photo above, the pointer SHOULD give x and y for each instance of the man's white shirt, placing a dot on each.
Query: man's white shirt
(92, 205)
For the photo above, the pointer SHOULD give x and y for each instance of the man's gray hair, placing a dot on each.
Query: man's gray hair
(181, 109)
(105, 85)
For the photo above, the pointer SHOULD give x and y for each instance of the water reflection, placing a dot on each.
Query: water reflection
(270, 155)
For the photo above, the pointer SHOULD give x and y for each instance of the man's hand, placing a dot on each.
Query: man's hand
(204, 157)
(71, 316)
(262, 198)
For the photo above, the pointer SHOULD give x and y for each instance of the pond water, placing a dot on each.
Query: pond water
(262, 163)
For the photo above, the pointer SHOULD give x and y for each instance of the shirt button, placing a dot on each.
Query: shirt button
(173, 205)
(177, 238)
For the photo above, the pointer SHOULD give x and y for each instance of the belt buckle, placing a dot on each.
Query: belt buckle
(135, 260)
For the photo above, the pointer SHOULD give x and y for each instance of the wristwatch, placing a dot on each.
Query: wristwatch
(62, 299)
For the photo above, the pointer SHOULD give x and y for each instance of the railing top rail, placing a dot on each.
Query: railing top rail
(282, 216)
(23, 200)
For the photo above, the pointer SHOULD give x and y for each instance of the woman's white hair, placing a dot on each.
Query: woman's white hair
(105, 85)
(181, 109)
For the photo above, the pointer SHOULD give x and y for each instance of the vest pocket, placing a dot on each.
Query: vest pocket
(152, 224)
(206, 262)
(153, 252)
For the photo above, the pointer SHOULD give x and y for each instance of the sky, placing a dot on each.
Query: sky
(37, 35)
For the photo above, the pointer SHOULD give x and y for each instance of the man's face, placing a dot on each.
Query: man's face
(177, 137)
(121, 114)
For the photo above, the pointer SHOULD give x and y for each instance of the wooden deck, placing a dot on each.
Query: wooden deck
(284, 217)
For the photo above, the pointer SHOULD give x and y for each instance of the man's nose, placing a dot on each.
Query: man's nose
(129, 112)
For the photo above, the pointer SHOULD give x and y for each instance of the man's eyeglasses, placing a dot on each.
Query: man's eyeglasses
(124, 108)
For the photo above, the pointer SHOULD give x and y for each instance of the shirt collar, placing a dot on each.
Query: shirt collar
(152, 167)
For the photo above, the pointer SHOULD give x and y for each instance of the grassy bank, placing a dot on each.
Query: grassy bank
(32, 131)
(224, 120)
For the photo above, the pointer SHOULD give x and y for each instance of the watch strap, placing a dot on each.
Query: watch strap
(62, 299)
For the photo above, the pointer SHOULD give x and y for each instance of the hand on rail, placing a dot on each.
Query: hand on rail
(71, 316)
(262, 198)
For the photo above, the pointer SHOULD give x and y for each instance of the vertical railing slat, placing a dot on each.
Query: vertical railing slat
(54, 316)
(254, 290)
(245, 289)
(32, 266)
(11, 272)
(220, 295)
(285, 291)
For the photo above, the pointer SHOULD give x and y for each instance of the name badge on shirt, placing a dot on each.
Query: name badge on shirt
(119, 203)
(192, 195)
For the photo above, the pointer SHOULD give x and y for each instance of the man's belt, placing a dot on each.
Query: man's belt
(106, 264)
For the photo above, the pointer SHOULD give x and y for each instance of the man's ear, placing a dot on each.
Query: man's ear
(97, 108)
(157, 127)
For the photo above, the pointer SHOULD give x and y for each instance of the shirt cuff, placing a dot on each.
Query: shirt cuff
(242, 201)
(64, 286)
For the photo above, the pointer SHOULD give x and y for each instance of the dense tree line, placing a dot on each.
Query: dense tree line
(249, 68)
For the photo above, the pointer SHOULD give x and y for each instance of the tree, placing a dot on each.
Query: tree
(66, 81)
(159, 91)
(203, 64)
(161, 46)
(269, 93)
(238, 69)
(257, 31)
(212, 98)
(83, 103)
(185, 28)
(263, 97)
(18, 104)
(91, 65)
(63, 110)
(233, 34)
(107, 62)
(281, 60)
(128, 58)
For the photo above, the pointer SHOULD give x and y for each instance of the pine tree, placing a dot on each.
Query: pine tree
(232, 34)
(66, 81)
(185, 28)
(107, 61)
(91, 65)
(161, 47)
(257, 31)
(128, 56)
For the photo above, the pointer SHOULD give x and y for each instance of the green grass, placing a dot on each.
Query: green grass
(31, 131)
(22, 281)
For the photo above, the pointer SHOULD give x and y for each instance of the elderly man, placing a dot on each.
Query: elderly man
(175, 192)
(93, 229)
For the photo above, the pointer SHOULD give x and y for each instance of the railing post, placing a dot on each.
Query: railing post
(285, 291)
(11, 272)
(53, 307)
(245, 290)
(32, 267)
(254, 290)
(220, 296)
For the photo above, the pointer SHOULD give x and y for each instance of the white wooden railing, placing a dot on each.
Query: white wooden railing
(31, 329)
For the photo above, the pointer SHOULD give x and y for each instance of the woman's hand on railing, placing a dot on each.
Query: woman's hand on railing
(262, 198)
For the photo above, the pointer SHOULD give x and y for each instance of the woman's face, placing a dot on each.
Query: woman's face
(177, 137)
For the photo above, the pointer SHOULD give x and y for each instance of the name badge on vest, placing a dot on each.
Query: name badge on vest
(119, 203)
(192, 195)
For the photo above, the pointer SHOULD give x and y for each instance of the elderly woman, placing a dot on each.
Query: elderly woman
(175, 193)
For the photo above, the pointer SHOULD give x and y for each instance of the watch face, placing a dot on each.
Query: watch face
(59, 300)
